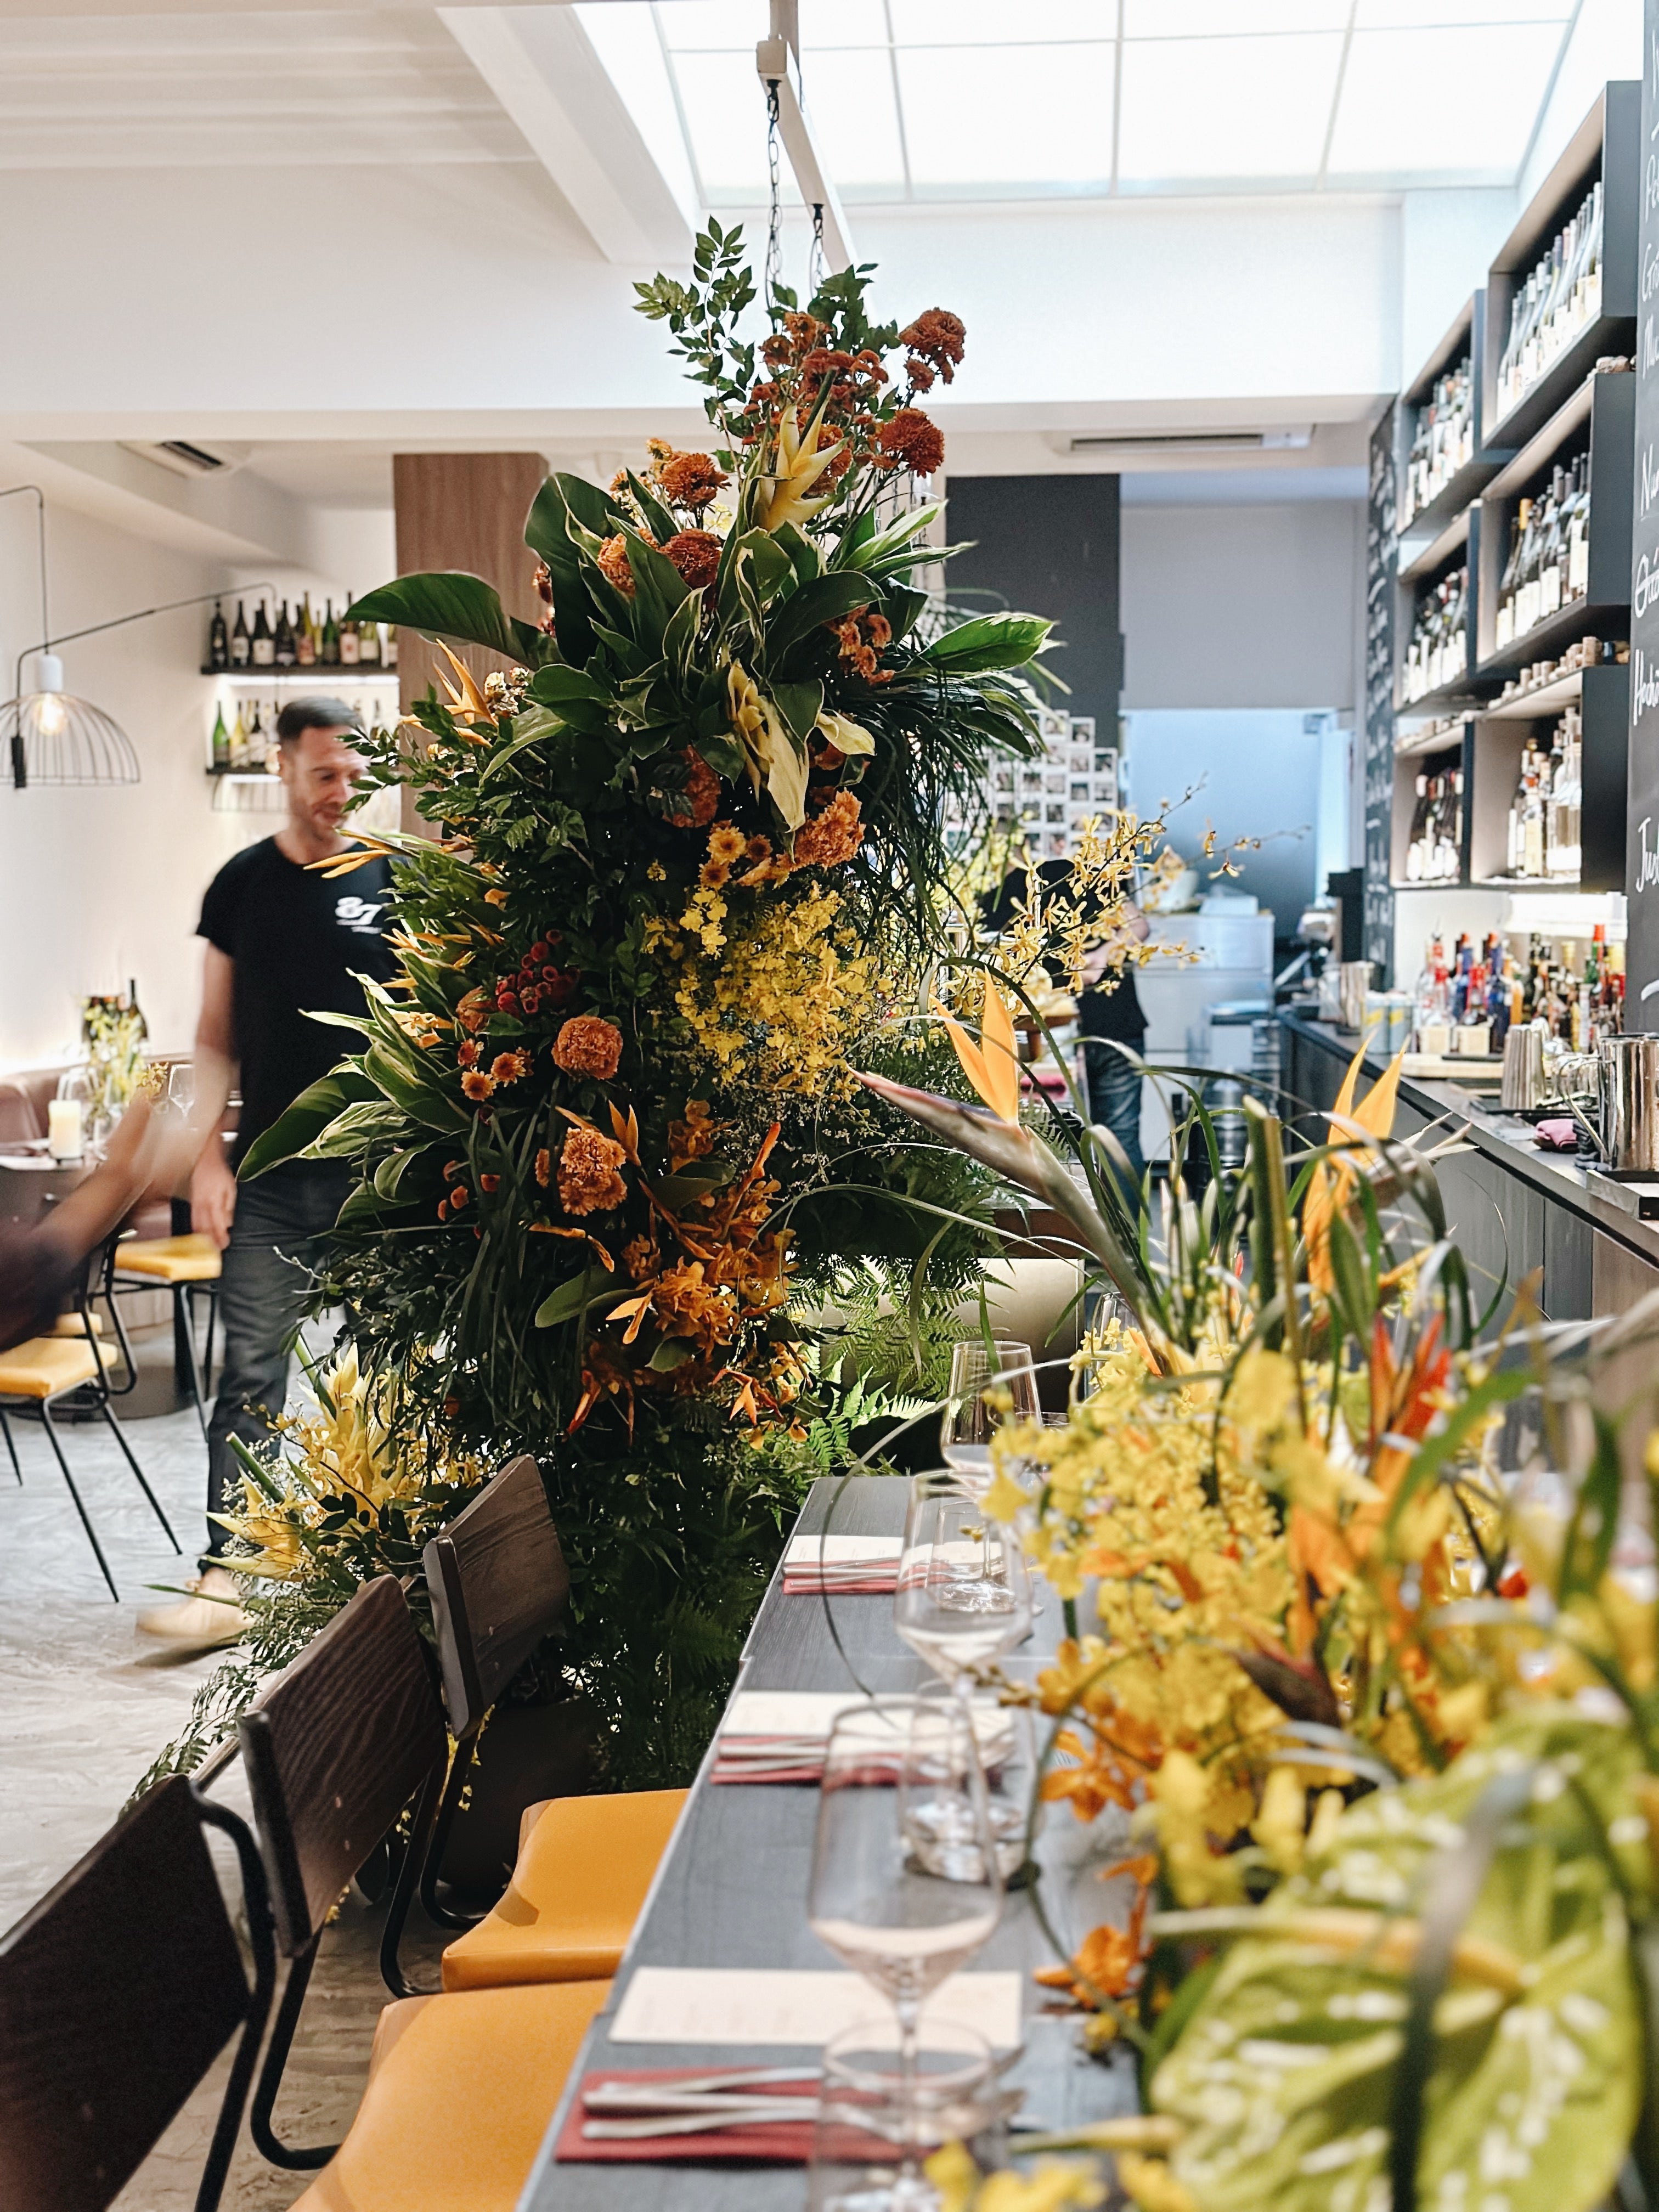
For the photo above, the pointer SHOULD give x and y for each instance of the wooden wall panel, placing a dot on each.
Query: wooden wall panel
(462, 511)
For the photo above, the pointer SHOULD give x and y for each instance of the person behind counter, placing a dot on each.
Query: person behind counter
(1110, 1023)
(283, 943)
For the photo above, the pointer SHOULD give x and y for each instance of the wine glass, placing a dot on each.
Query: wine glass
(963, 1593)
(181, 1088)
(979, 1368)
(875, 1899)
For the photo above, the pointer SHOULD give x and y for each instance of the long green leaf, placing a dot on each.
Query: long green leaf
(450, 604)
(988, 641)
(306, 1118)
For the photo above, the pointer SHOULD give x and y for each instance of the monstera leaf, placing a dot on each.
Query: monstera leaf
(1522, 2058)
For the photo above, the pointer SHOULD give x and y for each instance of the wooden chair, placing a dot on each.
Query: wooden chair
(499, 1585)
(35, 1374)
(117, 1993)
(461, 2088)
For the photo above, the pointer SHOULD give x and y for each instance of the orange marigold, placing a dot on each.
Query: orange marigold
(688, 480)
(544, 1167)
(476, 1084)
(588, 1179)
(939, 338)
(509, 1067)
(911, 441)
(613, 561)
(831, 836)
(696, 555)
(588, 1045)
(466, 1055)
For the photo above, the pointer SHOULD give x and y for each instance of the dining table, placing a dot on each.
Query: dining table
(731, 1892)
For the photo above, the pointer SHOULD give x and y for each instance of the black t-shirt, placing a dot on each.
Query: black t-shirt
(1112, 1008)
(298, 941)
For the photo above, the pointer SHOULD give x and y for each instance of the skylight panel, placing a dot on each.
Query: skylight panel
(1208, 19)
(1223, 109)
(826, 23)
(1001, 116)
(624, 37)
(725, 110)
(854, 116)
(1406, 109)
(1447, 15)
(688, 25)
(996, 23)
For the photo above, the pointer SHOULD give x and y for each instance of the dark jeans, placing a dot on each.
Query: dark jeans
(264, 1280)
(1115, 1100)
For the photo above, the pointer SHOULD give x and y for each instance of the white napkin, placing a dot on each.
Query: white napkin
(782, 1735)
(849, 1563)
(752, 2004)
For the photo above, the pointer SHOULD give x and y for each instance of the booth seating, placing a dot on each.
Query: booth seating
(499, 1586)
(118, 1991)
(462, 2086)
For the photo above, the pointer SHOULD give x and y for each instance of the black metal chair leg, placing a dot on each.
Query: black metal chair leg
(184, 1325)
(86, 1522)
(408, 1877)
(460, 1769)
(207, 1351)
(262, 1932)
(266, 2140)
(155, 1503)
(6, 1430)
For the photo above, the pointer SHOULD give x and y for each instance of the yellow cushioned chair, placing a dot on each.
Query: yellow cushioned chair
(584, 1867)
(74, 1324)
(183, 1265)
(460, 2091)
(43, 1367)
(191, 1259)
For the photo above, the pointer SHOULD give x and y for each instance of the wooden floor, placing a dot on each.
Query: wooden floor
(86, 1703)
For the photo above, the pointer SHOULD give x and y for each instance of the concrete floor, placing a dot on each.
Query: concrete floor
(87, 1701)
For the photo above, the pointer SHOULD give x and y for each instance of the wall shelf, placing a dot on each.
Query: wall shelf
(1602, 696)
(1451, 749)
(1607, 146)
(1439, 550)
(258, 678)
(1464, 337)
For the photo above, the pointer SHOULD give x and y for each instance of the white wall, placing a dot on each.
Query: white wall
(97, 886)
(1242, 606)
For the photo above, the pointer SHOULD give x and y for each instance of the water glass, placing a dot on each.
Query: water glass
(965, 1593)
(978, 1369)
(873, 2125)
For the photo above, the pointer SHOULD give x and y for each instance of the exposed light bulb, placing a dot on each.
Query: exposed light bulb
(50, 715)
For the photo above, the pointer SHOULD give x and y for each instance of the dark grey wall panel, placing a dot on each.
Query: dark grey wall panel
(1047, 545)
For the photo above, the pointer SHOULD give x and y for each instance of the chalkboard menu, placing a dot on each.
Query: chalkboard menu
(1380, 562)
(1642, 852)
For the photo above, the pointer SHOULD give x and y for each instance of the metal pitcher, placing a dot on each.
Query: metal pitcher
(1630, 1103)
(1524, 1082)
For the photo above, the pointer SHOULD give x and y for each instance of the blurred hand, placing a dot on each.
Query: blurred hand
(213, 1194)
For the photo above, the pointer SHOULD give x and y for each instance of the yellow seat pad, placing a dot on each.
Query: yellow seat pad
(191, 1259)
(576, 1892)
(69, 1324)
(41, 1366)
(460, 2091)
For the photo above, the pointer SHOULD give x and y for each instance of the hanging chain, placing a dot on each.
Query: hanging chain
(817, 270)
(774, 221)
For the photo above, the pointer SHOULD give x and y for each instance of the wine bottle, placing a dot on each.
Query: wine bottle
(389, 648)
(221, 741)
(369, 645)
(284, 654)
(305, 634)
(330, 638)
(349, 640)
(218, 639)
(264, 645)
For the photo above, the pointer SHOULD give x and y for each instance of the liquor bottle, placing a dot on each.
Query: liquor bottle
(218, 639)
(305, 634)
(1560, 297)
(1505, 628)
(284, 654)
(331, 654)
(1532, 824)
(1566, 801)
(1577, 582)
(264, 645)
(389, 648)
(369, 645)
(237, 744)
(1414, 838)
(240, 646)
(349, 640)
(1550, 550)
(221, 741)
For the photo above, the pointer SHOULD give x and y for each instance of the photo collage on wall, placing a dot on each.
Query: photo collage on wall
(1074, 780)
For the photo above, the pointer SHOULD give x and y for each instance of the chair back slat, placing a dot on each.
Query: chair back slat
(117, 1992)
(499, 1583)
(335, 1748)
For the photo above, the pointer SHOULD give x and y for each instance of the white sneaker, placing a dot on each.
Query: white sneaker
(211, 1614)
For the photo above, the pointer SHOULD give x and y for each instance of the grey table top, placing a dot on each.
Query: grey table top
(732, 1892)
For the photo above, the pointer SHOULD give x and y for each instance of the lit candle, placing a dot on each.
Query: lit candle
(63, 1128)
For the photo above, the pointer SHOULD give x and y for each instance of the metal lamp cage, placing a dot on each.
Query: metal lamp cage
(52, 738)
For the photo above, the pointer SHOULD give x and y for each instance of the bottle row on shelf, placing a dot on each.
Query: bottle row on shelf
(304, 640)
(1442, 441)
(1546, 815)
(1561, 297)
(1467, 1004)
(1437, 651)
(246, 744)
(1434, 854)
(1548, 563)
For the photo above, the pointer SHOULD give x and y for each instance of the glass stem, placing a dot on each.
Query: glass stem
(909, 2008)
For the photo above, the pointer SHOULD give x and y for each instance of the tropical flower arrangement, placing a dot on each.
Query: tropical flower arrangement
(685, 868)
(1366, 1715)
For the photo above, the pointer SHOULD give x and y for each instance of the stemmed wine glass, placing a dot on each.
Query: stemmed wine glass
(963, 1593)
(978, 1370)
(903, 1917)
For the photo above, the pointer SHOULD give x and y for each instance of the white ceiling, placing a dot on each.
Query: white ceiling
(979, 100)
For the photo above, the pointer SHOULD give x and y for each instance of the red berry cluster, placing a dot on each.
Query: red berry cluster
(538, 983)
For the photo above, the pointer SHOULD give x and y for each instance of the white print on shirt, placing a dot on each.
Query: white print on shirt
(358, 914)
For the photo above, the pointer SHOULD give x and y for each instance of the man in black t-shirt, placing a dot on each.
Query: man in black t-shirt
(283, 943)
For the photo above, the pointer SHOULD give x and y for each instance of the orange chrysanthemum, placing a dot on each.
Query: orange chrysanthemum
(912, 440)
(476, 1084)
(831, 836)
(588, 1045)
(939, 339)
(589, 1181)
(509, 1067)
(688, 480)
(544, 1167)
(612, 558)
(696, 555)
